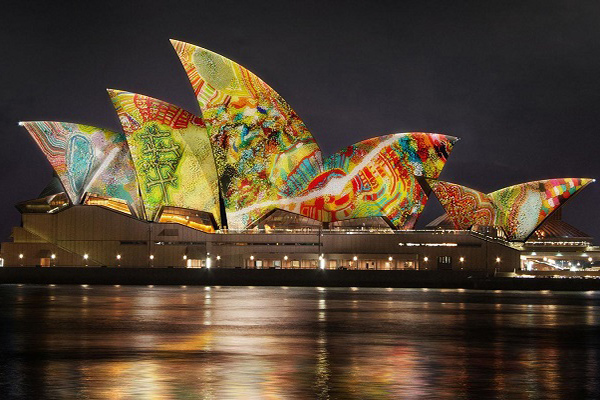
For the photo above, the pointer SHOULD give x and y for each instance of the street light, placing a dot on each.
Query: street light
(497, 259)
(425, 259)
(462, 259)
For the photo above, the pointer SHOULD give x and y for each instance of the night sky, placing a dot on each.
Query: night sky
(518, 82)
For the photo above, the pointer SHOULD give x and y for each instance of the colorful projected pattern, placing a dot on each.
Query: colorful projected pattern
(88, 159)
(517, 209)
(261, 146)
(375, 177)
(171, 152)
(465, 206)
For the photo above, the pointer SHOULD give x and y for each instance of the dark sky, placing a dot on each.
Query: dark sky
(518, 82)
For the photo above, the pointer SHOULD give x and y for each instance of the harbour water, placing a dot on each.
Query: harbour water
(139, 342)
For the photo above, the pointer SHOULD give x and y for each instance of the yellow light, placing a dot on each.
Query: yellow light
(390, 258)
(118, 256)
(497, 259)
(86, 256)
(251, 257)
(285, 258)
(462, 259)
(152, 256)
(425, 259)
(355, 258)
(53, 256)
(185, 257)
(590, 259)
(21, 256)
(218, 257)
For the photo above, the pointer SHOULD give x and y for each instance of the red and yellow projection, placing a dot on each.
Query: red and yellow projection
(518, 210)
(259, 142)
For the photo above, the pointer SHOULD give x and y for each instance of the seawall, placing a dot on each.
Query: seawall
(282, 277)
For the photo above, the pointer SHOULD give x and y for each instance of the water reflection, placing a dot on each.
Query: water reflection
(196, 342)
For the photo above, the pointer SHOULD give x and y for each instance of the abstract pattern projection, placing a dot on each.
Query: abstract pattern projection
(261, 146)
(376, 177)
(517, 209)
(171, 153)
(88, 159)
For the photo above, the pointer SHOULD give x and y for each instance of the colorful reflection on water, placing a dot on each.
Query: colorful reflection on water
(225, 342)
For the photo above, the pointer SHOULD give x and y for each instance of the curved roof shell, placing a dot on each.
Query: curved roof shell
(88, 159)
(171, 152)
(517, 209)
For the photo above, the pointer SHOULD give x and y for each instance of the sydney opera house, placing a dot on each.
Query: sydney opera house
(245, 185)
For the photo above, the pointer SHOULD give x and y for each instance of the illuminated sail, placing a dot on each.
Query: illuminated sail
(88, 160)
(171, 153)
(262, 149)
(517, 209)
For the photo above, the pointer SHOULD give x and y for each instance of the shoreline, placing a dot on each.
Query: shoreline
(283, 277)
